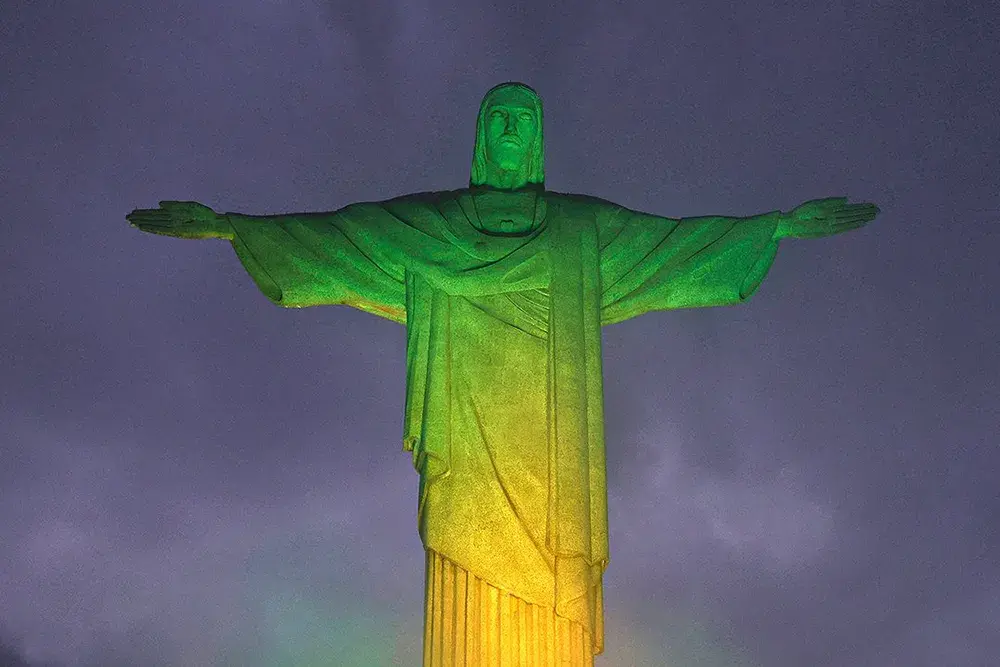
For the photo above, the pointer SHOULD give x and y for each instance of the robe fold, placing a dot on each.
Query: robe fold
(504, 394)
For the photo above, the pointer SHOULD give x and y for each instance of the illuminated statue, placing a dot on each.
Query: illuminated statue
(503, 288)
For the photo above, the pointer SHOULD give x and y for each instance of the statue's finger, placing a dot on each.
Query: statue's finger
(855, 212)
(149, 219)
(846, 227)
(850, 224)
(858, 205)
(153, 222)
(862, 215)
(841, 219)
(165, 230)
(145, 212)
(864, 206)
(152, 229)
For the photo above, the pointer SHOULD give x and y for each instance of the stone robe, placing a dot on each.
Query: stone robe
(504, 391)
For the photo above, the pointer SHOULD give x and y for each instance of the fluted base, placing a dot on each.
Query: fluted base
(470, 623)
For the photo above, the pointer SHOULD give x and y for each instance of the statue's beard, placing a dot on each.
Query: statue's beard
(505, 159)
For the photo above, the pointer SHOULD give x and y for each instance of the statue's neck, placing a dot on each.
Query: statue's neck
(502, 179)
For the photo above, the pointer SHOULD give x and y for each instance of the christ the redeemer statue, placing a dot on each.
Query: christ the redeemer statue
(503, 287)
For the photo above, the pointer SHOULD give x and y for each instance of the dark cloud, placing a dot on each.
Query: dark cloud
(193, 476)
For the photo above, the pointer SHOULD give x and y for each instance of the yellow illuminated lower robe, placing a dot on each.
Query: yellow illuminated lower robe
(491, 586)
(470, 623)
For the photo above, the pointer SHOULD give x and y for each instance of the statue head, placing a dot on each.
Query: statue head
(509, 152)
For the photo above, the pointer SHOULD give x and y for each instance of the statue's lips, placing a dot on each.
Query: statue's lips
(510, 140)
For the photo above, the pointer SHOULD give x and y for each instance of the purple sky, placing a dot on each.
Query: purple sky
(192, 476)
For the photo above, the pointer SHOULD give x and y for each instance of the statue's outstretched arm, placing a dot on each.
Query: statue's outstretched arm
(656, 263)
(299, 259)
(813, 219)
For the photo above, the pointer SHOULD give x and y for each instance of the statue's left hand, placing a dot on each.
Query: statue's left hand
(824, 217)
(182, 219)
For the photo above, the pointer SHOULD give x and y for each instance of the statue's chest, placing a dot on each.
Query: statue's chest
(508, 212)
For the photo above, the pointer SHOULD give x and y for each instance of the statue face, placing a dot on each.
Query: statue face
(511, 127)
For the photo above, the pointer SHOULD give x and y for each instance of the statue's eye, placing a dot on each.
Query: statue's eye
(526, 116)
(496, 113)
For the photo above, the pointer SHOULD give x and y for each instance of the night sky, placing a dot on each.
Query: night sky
(192, 476)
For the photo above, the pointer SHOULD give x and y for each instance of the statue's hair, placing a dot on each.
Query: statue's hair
(536, 166)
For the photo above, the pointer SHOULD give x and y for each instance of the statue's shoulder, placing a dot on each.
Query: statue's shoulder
(433, 198)
(580, 204)
(411, 207)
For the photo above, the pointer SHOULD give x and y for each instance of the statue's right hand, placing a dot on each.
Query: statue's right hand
(183, 219)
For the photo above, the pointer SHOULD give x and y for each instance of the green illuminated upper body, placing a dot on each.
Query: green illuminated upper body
(503, 287)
